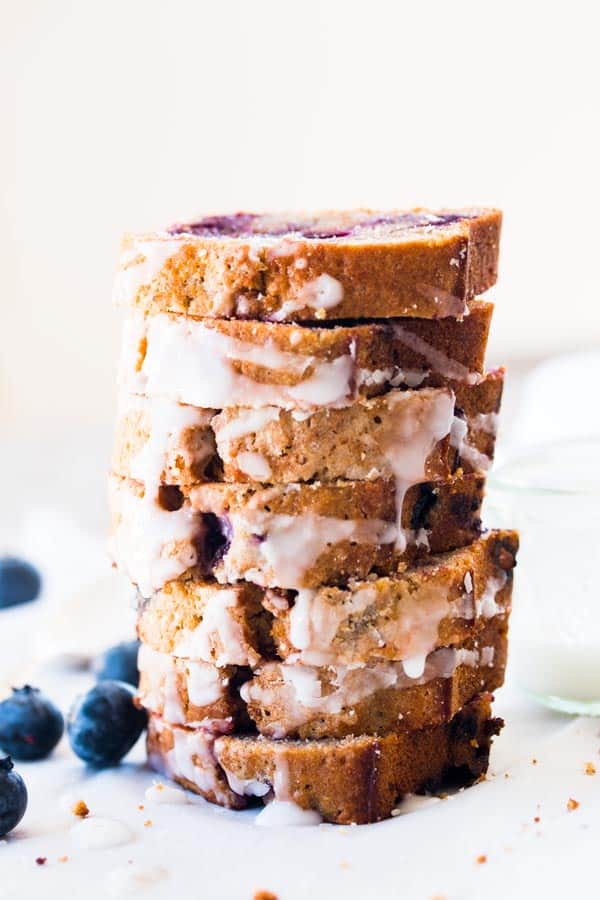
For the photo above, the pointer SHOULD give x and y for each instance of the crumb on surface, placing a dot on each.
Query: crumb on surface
(590, 768)
(41, 860)
(534, 761)
(536, 818)
(140, 806)
(80, 809)
(572, 804)
(147, 823)
(482, 858)
(265, 895)
(63, 859)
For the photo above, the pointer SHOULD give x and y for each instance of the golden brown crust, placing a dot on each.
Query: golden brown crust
(447, 512)
(340, 530)
(439, 601)
(282, 705)
(281, 446)
(201, 620)
(358, 779)
(283, 359)
(191, 763)
(424, 272)
(361, 779)
(194, 693)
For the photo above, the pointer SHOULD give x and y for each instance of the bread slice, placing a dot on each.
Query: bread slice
(440, 601)
(191, 692)
(334, 266)
(289, 536)
(216, 363)
(353, 780)
(160, 441)
(294, 700)
(200, 620)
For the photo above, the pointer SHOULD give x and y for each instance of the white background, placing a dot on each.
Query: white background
(129, 114)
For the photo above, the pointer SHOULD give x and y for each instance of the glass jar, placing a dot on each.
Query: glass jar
(552, 495)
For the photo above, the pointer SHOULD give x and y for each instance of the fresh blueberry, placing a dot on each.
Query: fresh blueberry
(104, 724)
(119, 663)
(13, 796)
(30, 724)
(20, 582)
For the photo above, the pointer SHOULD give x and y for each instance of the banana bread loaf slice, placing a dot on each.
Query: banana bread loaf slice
(188, 692)
(216, 363)
(200, 620)
(329, 265)
(351, 780)
(439, 601)
(159, 441)
(294, 700)
(289, 536)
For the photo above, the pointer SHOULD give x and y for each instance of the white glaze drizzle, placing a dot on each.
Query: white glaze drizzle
(436, 359)
(167, 422)
(410, 440)
(467, 452)
(286, 814)
(150, 544)
(300, 689)
(97, 833)
(192, 364)
(191, 757)
(165, 794)
(219, 637)
(291, 544)
(139, 265)
(322, 293)
(160, 679)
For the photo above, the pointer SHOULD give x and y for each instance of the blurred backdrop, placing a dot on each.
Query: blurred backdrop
(129, 114)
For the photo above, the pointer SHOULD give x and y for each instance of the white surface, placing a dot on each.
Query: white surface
(196, 850)
(130, 115)
(431, 851)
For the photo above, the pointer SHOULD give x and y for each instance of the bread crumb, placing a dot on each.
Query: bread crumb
(536, 818)
(80, 809)
(140, 806)
(41, 860)
(572, 804)
(147, 823)
(265, 895)
(63, 859)
(590, 768)
(534, 762)
(481, 859)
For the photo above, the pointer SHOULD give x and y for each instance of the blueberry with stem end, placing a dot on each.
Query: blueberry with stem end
(30, 724)
(118, 663)
(13, 796)
(20, 582)
(104, 724)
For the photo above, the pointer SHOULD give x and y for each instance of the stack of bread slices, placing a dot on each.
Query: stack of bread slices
(304, 429)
